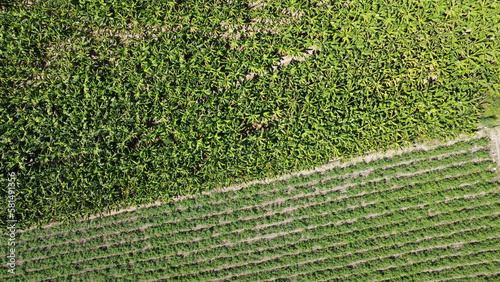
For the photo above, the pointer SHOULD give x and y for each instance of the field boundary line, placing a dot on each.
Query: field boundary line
(355, 174)
(363, 173)
(494, 134)
(320, 169)
(259, 227)
(342, 163)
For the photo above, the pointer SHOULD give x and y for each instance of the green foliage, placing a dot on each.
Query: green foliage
(419, 215)
(491, 115)
(112, 103)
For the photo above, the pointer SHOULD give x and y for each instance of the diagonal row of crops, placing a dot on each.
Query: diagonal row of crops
(113, 103)
(421, 215)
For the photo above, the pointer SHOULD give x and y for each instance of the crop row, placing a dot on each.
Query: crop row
(346, 246)
(367, 234)
(238, 248)
(471, 179)
(266, 266)
(285, 238)
(352, 197)
(242, 202)
(106, 113)
(215, 198)
(309, 202)
(125, 246)
(432, 264)
(479, 275)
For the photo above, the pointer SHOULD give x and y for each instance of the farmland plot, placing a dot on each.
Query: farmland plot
(112, 103)
(421, 215)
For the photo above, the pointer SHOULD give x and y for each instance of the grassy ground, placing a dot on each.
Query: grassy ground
(425, 212)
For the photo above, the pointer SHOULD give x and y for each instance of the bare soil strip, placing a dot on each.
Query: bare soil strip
(280, 223)
(476, 275)
(450, 267)
(495, 214)
(284, 61)
(343, 266)
(338, 162)
(494, 134)
(327, 247)
(326, 236)
(364, 173)
(131, 210)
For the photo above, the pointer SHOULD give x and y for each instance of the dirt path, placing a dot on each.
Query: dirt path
(338, 162)
(494, 134)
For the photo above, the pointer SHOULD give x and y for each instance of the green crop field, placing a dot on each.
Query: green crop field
(418, 215)
(108, 105)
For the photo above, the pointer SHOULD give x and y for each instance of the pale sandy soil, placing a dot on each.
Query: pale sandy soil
(424, 145)
(493, 133)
